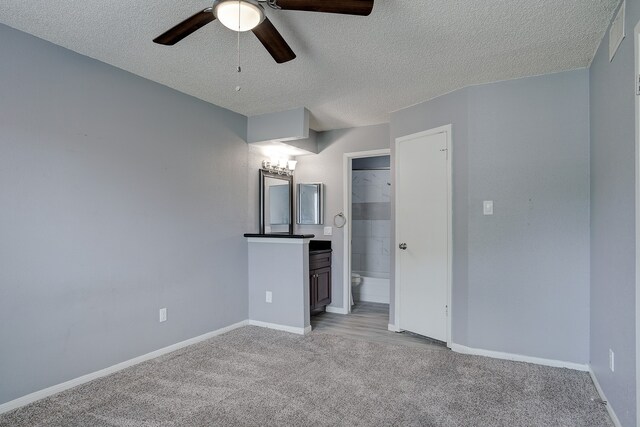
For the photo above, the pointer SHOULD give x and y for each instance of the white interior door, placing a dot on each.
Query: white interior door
(422, 234)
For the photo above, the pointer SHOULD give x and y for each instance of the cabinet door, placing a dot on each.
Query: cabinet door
(313, 293)
(323, 286)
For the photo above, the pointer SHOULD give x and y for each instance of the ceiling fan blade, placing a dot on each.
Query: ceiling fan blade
(273, 42)
(347, 7)
(186, 27)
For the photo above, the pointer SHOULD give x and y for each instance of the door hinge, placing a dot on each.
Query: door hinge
(446, 151)
(446, 309)
(638, 85)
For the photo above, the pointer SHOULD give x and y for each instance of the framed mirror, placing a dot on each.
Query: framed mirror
(276, 203)
(310, 204)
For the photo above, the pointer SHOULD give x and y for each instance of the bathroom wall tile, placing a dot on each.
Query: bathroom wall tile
(357, 212)
(386, 192)
(381, 228)
(356, 263)
(357, 177)
(378, 211)
(359, 245)
(358, 193)
(386, 263)
(373, 246)
(386, 246)
(370, 186)
(371, 213)
(375, 263)
(366, 193)
(361, 228)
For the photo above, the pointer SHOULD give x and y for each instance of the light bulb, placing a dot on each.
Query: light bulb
(238, 15)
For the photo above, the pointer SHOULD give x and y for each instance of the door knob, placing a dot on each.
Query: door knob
(403, 246)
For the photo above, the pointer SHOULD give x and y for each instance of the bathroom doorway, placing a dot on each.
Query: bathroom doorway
(370, 231)
(366, 223)
(366, 250)
(373, 159)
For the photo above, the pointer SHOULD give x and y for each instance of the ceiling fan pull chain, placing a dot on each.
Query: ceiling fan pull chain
(238, 87)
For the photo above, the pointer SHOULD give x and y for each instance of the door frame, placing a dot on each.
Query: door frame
(447, 130)
(636, 47)
(346, 203)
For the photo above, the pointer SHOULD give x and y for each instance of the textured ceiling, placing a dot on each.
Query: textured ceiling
(349, 70)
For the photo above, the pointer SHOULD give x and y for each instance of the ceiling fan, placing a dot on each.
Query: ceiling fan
(245, 15)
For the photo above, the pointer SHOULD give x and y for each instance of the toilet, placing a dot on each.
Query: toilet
(356, 280)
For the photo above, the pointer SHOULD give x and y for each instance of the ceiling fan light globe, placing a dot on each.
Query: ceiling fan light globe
(238, 15)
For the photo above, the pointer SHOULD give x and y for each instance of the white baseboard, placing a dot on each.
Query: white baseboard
(41, 394)
(292, 329)
(612, 414)
(338, 310)
(393, 328)
(519, 358)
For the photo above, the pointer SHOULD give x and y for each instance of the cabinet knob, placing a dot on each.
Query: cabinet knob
(403, 246)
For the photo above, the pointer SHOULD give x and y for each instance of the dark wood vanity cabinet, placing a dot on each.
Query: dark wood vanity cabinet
(319, 279)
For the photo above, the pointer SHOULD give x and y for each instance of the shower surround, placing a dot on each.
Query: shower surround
(371, 233)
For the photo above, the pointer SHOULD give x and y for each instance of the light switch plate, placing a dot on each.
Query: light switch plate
(328, 231)
(269, 297)
(163, 315)
(612, 361)
(487, 207)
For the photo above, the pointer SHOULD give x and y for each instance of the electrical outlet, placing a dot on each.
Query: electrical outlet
(269, 297)
(612, 361)
(163, 314)
(328, 231)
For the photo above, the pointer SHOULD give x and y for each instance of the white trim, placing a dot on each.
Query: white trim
(285, 328)
(458, 348)
(612, 414)
(636, 37)
(393, 328)
(281, 240)
(338, 310)
(447, 129)
(41, 394)
(346, 209)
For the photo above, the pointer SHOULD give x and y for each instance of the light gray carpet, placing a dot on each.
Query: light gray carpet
(258, 377)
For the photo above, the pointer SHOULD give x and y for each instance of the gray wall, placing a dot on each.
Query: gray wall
(326, 167)
(613, 248)
(521, 276)
(528, 264)
(119, 196)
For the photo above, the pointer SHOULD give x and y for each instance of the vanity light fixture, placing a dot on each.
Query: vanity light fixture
(238, 15)
(279, 166)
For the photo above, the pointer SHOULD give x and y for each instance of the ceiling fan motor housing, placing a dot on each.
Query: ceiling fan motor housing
(239, 15)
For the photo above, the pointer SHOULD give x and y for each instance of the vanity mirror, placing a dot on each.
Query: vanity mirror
(310, 206)
(276, 203)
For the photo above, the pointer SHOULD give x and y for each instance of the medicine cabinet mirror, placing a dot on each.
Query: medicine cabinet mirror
(310, 203)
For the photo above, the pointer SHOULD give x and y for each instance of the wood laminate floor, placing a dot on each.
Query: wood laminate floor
(368, 321)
